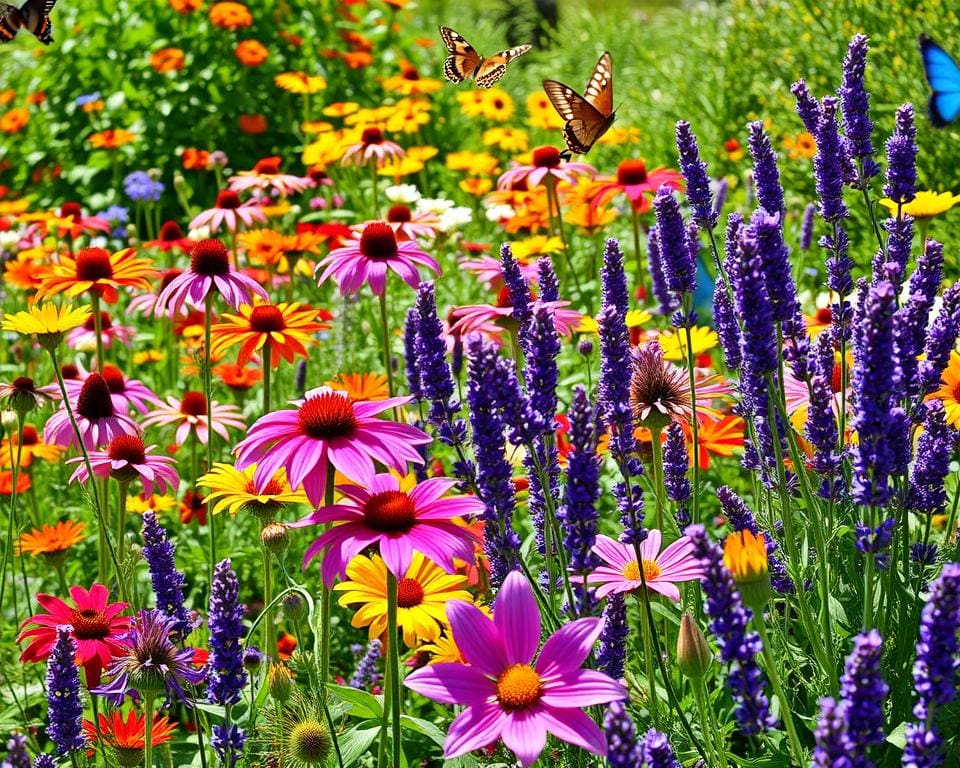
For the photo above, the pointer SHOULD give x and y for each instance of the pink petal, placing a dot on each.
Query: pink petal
(650, 547)
(613, 551)
(583, 688)
(665, 588)
(451, 684)
(477, 637)
(474, 728)
(574, 727)
(397, 554)
(524, 733)
(517, 616)
(568, 647)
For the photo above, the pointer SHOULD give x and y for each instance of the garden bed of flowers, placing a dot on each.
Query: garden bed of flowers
(348, 420)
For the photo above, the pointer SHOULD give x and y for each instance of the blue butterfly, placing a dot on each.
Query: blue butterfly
(943, 74)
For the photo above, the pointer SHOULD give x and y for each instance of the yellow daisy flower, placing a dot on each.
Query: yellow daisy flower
(538, 245)
(155, 503)
(478, 163)
(507, 139)
(340, 109)
(674, 343)
(300, 82)
(47, 322)
(234, 490)
(925, 205)
(476, 186)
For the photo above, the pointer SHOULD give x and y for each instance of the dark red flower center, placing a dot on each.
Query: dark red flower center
(89, 624)
(114, 378)
(104, 322)
(631, 172)
(327, 416)
(318, 176)
(267, 319)
(546, 157)
(390, 512)
(409, 593)
(210, 258)
(378, 241)
(228, 199)
(268, 166)
(69, 371)
(94, 401)
(30, 436)
(824, 315)
(93, 264)
(170, 232)
(372, 136)
(24, 385)
(411, 74)
(498, 103)
(70, 211)
(193, 404)
(128, 448)
(836, 378)
(398, 213)
(273, 488)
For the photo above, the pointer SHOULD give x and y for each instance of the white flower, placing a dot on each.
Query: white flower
(436, 205)
(500, 212)
(404, 194)
(454, 219)
(9, 240)
(200, 233)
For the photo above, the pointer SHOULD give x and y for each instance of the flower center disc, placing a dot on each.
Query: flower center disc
(24, 385)
(378, 241)
(409, 593)
(30, 436)
(128, 448)
(631, 172)
(94, 401)
(399, 213)
(390, 511)
(309, 742)
(519, 687)
(372, 136)
(327, 416)
(93, 264)
(89, 624)
(193, 404)
(228, 199)
(267, 319)
(114, 378)
(650, 570)
(170, 231)
(210, 258)
(546, 157)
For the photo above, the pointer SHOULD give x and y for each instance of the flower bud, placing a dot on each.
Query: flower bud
(294, 606)
(693, 651)
(275, 538)
(745, 556)
(279, 682)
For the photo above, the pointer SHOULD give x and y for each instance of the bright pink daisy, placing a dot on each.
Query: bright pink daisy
(146, 303)
(127, 459)
(95, 625)
(229, 211)
(637, 183)
(546, 163)
(506, 694)
(328, 429)
(477, 317)
(372, 146)
(662, 570)
(490, 270)
(124, 393)
(400, 523)
(210, 269)
(190, 415)
(409, 225)
(366, 259)
(97, 418)
(266, 177)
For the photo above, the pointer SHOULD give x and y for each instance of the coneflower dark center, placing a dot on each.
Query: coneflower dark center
(228, 199)
(105, 322)
(170, 231)
(631, 172)
(399, 213)
(128, 448)
(372, 136)
(390, 512)
(193, 404)
(378, 241)
(89, 624)
(409, 593)
(327, 416)
(93, 264)
(114, 378)
(546, 157)
(210, 258)
(94, 401)
(267, 319)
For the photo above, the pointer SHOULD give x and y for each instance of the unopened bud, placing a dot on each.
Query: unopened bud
(275, 537)
(693, 651)
(279, 682)
(294, 607)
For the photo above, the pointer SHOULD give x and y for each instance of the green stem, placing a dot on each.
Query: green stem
(785, 714)
(700, 695)
(325, 597)
(208, 394)
(658, 486)
(268, 637)
(122, 486)
(636, 248)
(148, 732)
(393, 658)
(385, 339)
(646, 630)
(97, 327)
(13, 511)
(376, 193)
(868, 573)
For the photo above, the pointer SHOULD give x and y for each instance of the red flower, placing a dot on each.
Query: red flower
(286, 644)
(95, 624)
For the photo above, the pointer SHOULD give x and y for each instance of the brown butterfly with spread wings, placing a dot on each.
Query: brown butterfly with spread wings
(587, 117)
(464, 61)
(33, 16)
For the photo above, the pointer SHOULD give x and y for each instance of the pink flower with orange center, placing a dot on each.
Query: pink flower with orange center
(190, 416)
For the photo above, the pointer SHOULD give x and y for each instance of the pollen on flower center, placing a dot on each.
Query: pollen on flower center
(94, 401)
(93, 264)
(210, 258)
(327, 416)
(546, 157)
(631, 571)
(390, 511)
(128, 448)
(372, 136)
(90, 324)
(409, 593)
(228, 199)
(631, 172)
(309, 742)
(89, 624)
(378, 241)
(267, 319)
(114, 378)
(193, 404)
(399, 213)
(519, 687)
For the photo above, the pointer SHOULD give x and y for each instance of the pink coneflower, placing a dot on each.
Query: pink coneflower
(127, 459)
(637, 183)
(372, 146)
(170, 237)
(661, 570)
(473, 317)
(75, 223)
(84, 338)
(367, 258)
(409, 225)
(124, 393)
(229, 211)
(210, 269)
(400, 523)
(146, 303)
(327, 428)
(506, 694)
(98, 421)
(797, 393)
(190, 415)
(490, 270)
(545, 163)
(266, 176)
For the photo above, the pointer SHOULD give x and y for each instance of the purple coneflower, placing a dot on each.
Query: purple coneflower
(127, 459)
(229, 211)
(126, 394)
(97, 420)
(372, 146)
(545, 165)
(190, 416)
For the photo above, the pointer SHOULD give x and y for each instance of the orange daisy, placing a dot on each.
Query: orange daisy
(285, 327)
(6, 483)
(718, 437)
(33, 447)
(949, 391)
(238, 377)
(21, 272)
(230, 15)
(128, 737)
(51, 540)
(112, 138)
(94, 269)
(361, 386)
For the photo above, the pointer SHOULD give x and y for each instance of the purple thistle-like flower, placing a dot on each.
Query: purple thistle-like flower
(676, 260)
(694, 172)
(167, 581)
(676, 463)
(64, 708)
(738, 647)
(828, 170)
(226, 677)
(547, 280)
(741, 517)
(911, 320)
(863, 690)
(941, 340)
(657, 752)
(541, 341)
(806, 226)
(928, 494)
(901, 186)
(808, 108)
(832, 748)
(43, 761)
(366, 670)
(667, 301)
(612, 652)
(935, 669)
(623, 751)
(410, 359)
(516, 284)
(579, 512)
(765, 171)
(855, 103)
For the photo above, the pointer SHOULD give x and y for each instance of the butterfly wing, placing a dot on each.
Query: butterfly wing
(584, 122)
(36, 18)
(463, 61)
(493, 68)
(943, 74)
(10, 22)
(599, 90)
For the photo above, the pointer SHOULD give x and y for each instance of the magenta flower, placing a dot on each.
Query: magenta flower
(662, 570)
(127, 459)
(190, 416)
(372, 146)
(328, 428)
(367, 259)
(506, 694)
(546, 163)
(124, 393)
(97, 419)
(398, 522)
(490, 270)
(210, 269)
(230, 211)
(478, 317)
(84, 338)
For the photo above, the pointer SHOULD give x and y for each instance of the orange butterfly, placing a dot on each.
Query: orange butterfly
(464, 61)
(587, 117)
(33, 16)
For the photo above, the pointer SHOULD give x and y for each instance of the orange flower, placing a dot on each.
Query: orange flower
(37, 97)
(94, 269)
(285, 327)
(51, 539)
(252, 124)
(195, 159)
(33, 448)
(167, 60)
(128, 737)
(300, 82)
(185, 6)
(193, 507)
(7, 96)
(361, 386)
(237, 377)
(264, 247)
(802, 146)
(14, 120)
(230, 15)
(6, 483)
(286, 645)
(357, 59)
(476, 185)
(94, 106)
(251, 53)
(21, 272)
(717, 438)
(111, 138)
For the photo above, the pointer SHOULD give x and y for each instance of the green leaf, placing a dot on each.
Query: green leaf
(425, 727)
(362, 704)
(356, 742)
(898, 736)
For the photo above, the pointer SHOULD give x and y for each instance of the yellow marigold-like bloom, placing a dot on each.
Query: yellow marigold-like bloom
(398, 167)
(329, 147)
(167, 60)
(496, 105)
(507, 139)
(13, 207)
(47, 322)
(410, 84)
(51, 539)
(14, 120)
(361, 386)
(541, 114)
(620, 135)
(408, 116)
(949, 392)
(340, 109)
(112, 138)
(148, 356)
(234, 490)
(674, 343)
(422, 153)
(33, 447)
(800, 147)
(155, 503)
(471, 102)
(443, 650)
(94, 269)
(313, 127)
(476, 186)
(925, 205)
(479, 163)
(745, 556)
(300, 82)
(538, 245)
(94, 106)
(369, 118)
(590, 218)
(230, 15)
(422, 597)
(21, 272)
(638, 317)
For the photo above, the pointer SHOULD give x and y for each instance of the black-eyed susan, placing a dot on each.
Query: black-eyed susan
(47, 322)
(674, 345)
(300, 82)
(33, 446)
(98, 271)
(496, 105)
(235, 490)
(540, 112)
(422, 595)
